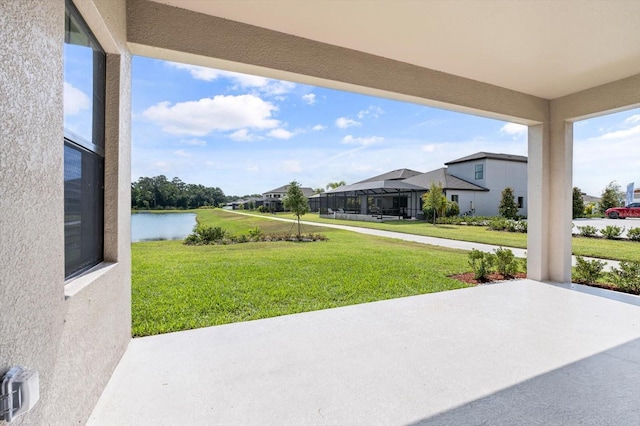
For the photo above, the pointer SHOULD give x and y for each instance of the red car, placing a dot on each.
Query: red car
(632, 210)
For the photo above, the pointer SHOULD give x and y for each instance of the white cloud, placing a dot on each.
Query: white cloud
(309, 98)
(318, 127)
(193, 142)
(280, 134)
(344, 122)
(515, 130)
(220, 113)
(75, 100)
(633, 119)
(243, 135)
(429, 148)
(373, 111)
(362, 141)
(621, 134)
(291, 166)
(182, 153)
(264, 85)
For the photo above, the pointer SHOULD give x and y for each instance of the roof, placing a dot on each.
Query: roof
(442, 177)
(399, 174)
(491, 156)
(378, 187)
(283, 190)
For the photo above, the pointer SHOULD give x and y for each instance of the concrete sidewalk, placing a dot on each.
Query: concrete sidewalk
(443, 242)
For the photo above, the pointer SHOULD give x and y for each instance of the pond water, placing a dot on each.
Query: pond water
(161, 226)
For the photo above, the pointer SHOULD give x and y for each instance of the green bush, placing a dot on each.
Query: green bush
(256, 233)
(611, 232)
(452, 209)
(481, 263)
(262, 209)
(499, 224)
(588, 231)
(627, 277)
(634, 234)
(588, 271)
(506, 263)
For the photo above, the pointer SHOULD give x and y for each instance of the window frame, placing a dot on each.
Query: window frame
(479, 171)
(92, 183)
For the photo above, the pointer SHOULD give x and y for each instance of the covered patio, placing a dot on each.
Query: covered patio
(372, 200)
(525, 352)
(514, 353)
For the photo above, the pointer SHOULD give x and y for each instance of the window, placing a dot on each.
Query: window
(479, 171)
(520, 202)
(454, 198)
(84, 91)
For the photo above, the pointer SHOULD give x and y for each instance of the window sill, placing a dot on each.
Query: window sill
(77, 284)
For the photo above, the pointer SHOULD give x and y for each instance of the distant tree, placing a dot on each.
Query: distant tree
(612, 196)
(296, 202)
(578, 203)
(434, 202)
(508, 207)
(334, 185)
(318, 190)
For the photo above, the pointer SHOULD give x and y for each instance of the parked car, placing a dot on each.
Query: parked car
(632, 210)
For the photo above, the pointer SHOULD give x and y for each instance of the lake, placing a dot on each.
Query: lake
(161, 226)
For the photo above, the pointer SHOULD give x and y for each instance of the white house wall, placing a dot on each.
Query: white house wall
(73, 333)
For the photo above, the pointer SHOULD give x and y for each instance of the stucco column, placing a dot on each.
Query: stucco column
(550, 169)
(537, 212)
(560, 199)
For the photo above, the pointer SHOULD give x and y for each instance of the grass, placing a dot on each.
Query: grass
(177, 287)
(590, 247)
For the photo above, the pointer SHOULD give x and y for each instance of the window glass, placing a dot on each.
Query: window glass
(520, 202)
(479, 171)
(454, 198)
(84, 83)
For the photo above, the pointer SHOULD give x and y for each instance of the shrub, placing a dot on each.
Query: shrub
(588, 271)
(634, 234)
(611, 232)
(256, 233)
(205, 235)
(262, 209)
(481, 263)
(498, 224)
(524, 262)
(452, 209)
(505, 262)
(588, 231)
(627, 278)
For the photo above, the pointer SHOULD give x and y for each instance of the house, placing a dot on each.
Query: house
(272, 200)
(494, 173)
(475, 182)
(73, 328)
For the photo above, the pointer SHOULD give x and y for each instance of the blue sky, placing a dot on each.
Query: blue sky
(248, 134)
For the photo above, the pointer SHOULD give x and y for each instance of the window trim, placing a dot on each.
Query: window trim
(479, 170)
(75, 24)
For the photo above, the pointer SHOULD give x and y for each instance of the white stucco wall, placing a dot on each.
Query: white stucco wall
(72, 333)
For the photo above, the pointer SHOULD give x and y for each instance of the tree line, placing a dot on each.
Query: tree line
(160, 193)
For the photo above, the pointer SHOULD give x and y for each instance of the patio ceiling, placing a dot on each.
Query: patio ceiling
(543, 48)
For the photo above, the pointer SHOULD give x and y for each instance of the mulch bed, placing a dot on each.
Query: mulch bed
(467, 278)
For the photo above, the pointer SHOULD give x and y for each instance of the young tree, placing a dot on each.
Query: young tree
(295, 201)
(434, 201)
(508, 207)
(578, 203)
(612, 196)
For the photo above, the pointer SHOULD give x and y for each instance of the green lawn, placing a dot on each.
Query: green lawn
(177, 287)
(591, 247)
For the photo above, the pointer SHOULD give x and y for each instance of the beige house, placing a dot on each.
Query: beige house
(66, 308)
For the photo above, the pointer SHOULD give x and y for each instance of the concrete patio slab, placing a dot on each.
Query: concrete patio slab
(519, 352)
